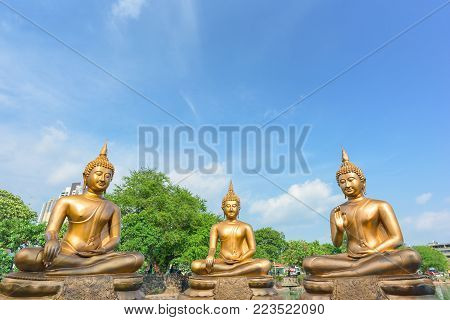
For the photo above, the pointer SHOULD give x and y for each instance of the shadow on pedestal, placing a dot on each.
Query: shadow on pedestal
(402, 287)
(37, 285)
(230, 288)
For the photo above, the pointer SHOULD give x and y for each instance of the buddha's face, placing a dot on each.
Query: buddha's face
(351, 185)
(231, 209)
(99, 179)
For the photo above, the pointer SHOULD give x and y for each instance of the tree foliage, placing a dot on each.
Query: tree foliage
(6, 262)
(298, 250)
(19, 233)
(163, 221)
(432, 258)
(12, 207)
(18, 228)
(270, 244)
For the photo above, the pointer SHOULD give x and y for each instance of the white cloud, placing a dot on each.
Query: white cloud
(124, 9)
(65, 173)
(52, 137)
(38, 163)
(424, 198)
(431, 221)
(287, 210)
(211, 187)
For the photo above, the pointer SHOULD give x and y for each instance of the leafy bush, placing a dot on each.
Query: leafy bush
(432, 258)
(163, 221)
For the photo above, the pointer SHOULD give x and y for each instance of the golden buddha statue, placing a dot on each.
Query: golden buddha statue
(93, 232)
(373, 234)
(237, 248)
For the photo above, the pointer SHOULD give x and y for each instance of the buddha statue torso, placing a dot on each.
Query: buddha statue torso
(232, 237)
(364, 228)
(87, 221)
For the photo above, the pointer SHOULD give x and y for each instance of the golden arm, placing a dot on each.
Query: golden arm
(52, 245)
(389, 221)
(213, 235)
(57, 218)
(251, 242)
(114, 231)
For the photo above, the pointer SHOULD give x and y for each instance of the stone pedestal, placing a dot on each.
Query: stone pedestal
(401, 287)
(230, 288)
(36, 285)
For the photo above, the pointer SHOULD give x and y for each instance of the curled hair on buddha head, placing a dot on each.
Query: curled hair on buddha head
(231, 196)
(347, 167)
(100, 161)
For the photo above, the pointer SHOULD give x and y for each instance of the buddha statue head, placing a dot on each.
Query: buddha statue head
(231, 203)
(98, 173)
(350, 178)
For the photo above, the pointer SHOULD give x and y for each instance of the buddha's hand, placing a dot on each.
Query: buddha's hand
(91, 253)
(232, 261)
(368, 250)
(340, 219)
(51, 250)
(209, 263)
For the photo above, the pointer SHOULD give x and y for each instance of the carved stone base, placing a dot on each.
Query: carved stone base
(402, 287)
(230, 288)
(36, 285)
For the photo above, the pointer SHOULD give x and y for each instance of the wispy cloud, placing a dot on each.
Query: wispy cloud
(38, 163)
(127, 9)
(285, 210)
(181, 28)
(190, 104)
(424, 198)
(52, 136)
(211, 187)
(431, 221)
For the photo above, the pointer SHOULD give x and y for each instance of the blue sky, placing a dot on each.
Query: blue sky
(235, 63)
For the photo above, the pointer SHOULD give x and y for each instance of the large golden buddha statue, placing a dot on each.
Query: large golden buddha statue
(93, 232)
(373, 234)
(237, 246)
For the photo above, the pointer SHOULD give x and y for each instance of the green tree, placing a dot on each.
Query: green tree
(12, 207)
(18, 228)
(270, 244)
(6, 262)
(298, 250)
(198, 244)
(295, 252)
(163, 221)
(432, 258)
(19, 233)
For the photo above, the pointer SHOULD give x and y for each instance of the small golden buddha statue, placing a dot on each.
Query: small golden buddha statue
(373, 234)
(92, 235)
(237, 246)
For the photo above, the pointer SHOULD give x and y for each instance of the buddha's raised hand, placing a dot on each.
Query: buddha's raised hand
(340, 219)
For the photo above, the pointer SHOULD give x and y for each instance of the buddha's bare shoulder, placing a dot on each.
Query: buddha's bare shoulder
(216, 225)
(68, 199)
(245, 225)
(378, 203)
(80, 198)
(112, 204)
